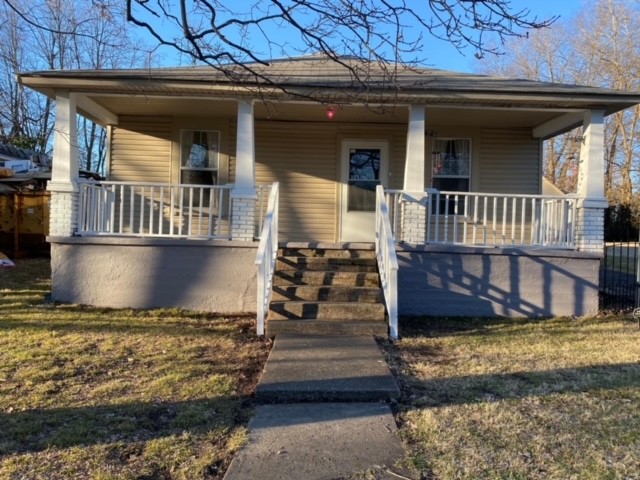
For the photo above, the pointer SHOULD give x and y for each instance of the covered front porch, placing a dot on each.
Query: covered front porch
(498, 200)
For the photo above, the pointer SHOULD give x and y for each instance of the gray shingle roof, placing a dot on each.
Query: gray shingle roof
(321, 72)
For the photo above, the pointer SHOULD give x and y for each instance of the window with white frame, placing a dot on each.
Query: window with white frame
(450, 169)
(199, 157)
(451, 164)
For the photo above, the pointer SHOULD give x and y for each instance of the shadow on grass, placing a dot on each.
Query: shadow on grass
(37, 430)
(459, 388)
(433, 327)
(495, 387)
(99, 320)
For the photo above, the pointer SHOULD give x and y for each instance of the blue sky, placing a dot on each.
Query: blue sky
(445, 57)
(438, 53)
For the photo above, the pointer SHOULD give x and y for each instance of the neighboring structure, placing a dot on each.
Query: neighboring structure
(192, 156)
(24, 201)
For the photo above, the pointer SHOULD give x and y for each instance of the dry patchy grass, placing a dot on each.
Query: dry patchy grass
(118, 394)
(521, 399)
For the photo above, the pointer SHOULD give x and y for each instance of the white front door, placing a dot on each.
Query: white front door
(364, 166)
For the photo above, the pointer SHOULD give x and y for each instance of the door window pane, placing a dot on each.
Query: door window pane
(364, 177)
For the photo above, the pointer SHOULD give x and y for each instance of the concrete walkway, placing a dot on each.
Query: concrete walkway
(328, 440)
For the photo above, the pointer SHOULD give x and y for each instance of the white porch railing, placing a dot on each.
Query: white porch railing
(159, 210)
(266, 257)
(491, 219)
(387, 261)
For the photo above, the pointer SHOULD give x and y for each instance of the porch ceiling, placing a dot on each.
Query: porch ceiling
(441, 115)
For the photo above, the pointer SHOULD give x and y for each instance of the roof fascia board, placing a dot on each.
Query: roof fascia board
(558, 125)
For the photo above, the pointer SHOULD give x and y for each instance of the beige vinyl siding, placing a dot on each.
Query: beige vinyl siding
(141, 150)
(398, 153)
(302, 157)
(510, 162)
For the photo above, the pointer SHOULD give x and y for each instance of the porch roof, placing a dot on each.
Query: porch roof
(322, 79)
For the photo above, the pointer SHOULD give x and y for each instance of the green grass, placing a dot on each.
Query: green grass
(521, 399)
(118, 394)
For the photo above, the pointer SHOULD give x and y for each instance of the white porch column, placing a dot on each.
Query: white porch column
(243, 196)
(64, 175)
(414, 211)
(592, 201)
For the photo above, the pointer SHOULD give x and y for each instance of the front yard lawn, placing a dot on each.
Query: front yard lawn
(118, 394)
(521, 399)
(165, 394)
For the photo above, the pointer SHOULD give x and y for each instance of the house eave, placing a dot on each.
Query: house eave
(610, 102)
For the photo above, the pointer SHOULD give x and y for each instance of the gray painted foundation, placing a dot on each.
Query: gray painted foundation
(213, 276)
(466, 281)
(220, 276)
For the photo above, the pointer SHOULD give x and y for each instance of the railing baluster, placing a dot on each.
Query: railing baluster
(141, 225)
(445, 236)
(475, 218)
(429, 215)
(151, 205)
(161, 211)
(484, 221)
(181, 206)
(514, 208)
(437, 218)
(535, 224)
(120, 196)
(495, 227)
(522, 220)
(131, 209)
(190, 217)
(504, 220)
(466, 218)
(455, 219)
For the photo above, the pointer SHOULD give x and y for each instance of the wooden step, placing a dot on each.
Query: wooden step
(327, 264)
(340, 311)
(335, 278)
(326, 253)
(327, 293)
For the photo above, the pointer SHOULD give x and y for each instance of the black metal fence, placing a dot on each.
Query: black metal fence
(619, 288)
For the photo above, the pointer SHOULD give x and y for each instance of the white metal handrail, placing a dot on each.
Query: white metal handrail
(266, 257)
(491, 219)
(147, 209)
(387, 260)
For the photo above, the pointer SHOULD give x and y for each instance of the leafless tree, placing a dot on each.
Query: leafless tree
(236, 38)
(59, 34)
(599, 47)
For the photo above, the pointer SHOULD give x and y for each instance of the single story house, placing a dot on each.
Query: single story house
(441, 170)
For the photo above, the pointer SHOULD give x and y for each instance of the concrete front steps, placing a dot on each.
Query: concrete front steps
(327, 289)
